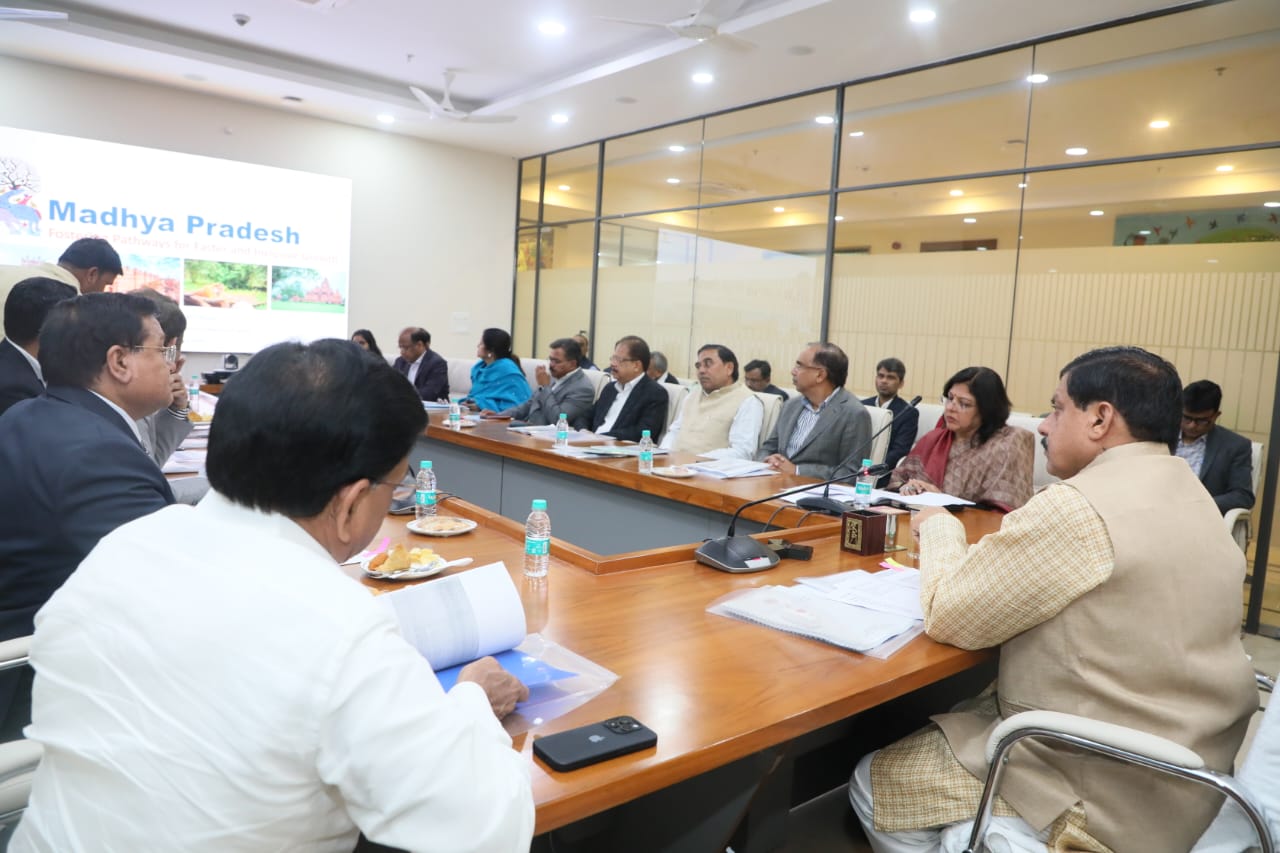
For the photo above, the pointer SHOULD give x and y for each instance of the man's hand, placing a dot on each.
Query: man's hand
(179, 391)
(919, 518)
(541, 374)
(917, 487)
(778, 462)
(503, 689)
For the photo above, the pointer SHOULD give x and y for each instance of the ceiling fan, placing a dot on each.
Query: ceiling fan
(702, 24)
(444, 108)
(9, 13)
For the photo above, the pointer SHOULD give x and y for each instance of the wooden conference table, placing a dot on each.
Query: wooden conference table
(713, 688)
(603, 504)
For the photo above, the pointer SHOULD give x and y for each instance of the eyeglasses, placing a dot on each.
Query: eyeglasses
(613, 359)
(802, 366)
(1188, 419)
(961, 404)
(170, 353)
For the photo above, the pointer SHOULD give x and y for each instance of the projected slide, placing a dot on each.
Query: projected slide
(254, 254)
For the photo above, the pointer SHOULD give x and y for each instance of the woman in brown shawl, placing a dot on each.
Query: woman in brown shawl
(972, 453)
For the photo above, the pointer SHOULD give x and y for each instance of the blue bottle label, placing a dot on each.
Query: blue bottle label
(425, 497)
(537, 547)
(646, 456)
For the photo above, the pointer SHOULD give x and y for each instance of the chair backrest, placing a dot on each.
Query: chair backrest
(772, 406)
(879, 447)
(460, 376)
(13, 653)
(1255, 460)
(1041, 477)
(598, 380)
(530, 367)
(676, 395)
(18, 762)
(929, 414)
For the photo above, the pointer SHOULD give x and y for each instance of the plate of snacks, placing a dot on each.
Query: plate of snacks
(402, 564)
(678, 472)
(442, 525)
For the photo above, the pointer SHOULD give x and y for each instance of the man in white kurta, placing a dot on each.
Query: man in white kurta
(210, 680)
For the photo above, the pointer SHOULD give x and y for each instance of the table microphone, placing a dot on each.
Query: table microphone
(829, 505)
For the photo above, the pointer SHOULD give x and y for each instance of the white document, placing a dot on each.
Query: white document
(726, 469)
(892, 591)
(807, 613)
(459, 618)
(923, 499)
(548, 433)
(185, 462)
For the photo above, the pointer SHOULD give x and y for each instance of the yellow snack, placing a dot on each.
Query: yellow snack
(401, 559)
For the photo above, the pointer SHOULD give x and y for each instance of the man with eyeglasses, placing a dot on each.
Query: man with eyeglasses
(632, 402)
(1222, 459)
(820, 428)
(72, 466)
(562, 388)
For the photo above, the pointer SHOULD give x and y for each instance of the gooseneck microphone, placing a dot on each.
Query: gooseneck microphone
(738, 554)
(829, 505)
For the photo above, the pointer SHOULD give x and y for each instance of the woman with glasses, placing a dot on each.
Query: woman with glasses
(972, 453)
(497, 379)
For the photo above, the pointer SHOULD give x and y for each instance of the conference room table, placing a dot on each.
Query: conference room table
(603, 504)
(714, 689)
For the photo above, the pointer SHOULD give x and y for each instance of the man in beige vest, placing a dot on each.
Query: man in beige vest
(723, 419)
(1114, 595)
(89, 265)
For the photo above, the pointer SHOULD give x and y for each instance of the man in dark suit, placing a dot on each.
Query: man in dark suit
(562, 389)
(425, 368)
(758, 376)
(889, 375)
(72, 468)
(658, 371)
(820, 428)
(633, 402)
(1222, 459)
(24, 311)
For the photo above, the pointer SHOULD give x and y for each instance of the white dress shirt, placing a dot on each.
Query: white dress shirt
(133, 425)
(413, 367)
(624, 391)
(31, 359)
(209, 680)
(744, 432)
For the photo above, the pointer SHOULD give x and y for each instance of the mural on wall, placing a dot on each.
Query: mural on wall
(527, 250)
(1231, 225)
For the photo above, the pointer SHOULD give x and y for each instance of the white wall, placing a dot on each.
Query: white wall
(431, 223)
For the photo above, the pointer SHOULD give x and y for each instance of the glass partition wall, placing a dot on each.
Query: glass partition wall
(1120, 185)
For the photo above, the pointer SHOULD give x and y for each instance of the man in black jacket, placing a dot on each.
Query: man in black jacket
(633, 402)
(1222, 459)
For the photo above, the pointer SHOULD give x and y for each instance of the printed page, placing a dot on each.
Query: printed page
(459, 618)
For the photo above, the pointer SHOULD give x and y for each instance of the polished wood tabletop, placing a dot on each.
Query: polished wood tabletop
(713, 688)
(702, 490)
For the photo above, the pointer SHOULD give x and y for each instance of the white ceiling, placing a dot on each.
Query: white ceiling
(355, 61)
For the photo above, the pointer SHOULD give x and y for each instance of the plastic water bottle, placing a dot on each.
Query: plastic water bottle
(562, 432)
(863, 485)
(193, 391)
(455, 415)
(646, 453)
(537, 541)
(424, 496)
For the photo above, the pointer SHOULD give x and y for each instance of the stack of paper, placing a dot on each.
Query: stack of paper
(726, 469)
(548, 433)
(808, 613)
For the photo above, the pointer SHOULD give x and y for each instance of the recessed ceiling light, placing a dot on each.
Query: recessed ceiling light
(1225, 168)
(1271, 204)
(855, 133)
(922, 16)
(675, 149)
(703, 77)
(551, 28)
(386, 118)
(559, 118)
(1037, 78)
(824, 119)
(1022, 186)
(969, 220)
(1145, 232)
(779, 210)
(1097, 213)
(956, 193)
(564, 188)
(1158, 124)
(1212, 261)
(673, 180)
(982, 248)
(1077, 151)
(839, 219)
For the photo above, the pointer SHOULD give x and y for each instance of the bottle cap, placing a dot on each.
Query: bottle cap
(424, 464)
(644, 434)
(866, 463)
(539, 504)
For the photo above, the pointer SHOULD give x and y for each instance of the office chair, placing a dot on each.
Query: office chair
(1237, 520)
(18, 758)
(1250, 817)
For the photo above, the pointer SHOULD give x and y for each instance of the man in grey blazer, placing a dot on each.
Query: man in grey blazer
(562, 387)
(1222, 459)
(822, 426)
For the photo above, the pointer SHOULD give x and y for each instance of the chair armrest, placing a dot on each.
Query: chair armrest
(1233, 517)
(1108, 734)
(18, 757)
(14, 652)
